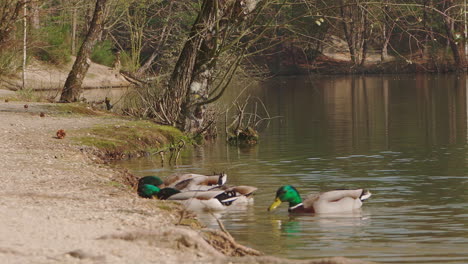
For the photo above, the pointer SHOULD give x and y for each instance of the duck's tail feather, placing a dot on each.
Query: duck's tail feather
(222, 179)
(365, 195)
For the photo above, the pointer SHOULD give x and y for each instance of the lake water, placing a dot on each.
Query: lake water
(402, 137)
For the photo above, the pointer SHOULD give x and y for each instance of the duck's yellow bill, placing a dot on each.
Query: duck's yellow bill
(275, 204)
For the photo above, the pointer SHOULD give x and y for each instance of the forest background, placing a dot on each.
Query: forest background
(182, 55)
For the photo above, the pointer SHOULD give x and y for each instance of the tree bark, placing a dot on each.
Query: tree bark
(387, 30)
(355, 28)
(74, 25)
(156, 53)
(428, 36)
(446, 6)
(72, 89)
(35, 20)
(182, 75)
(192, 77)
(25, 44)
(9, 12)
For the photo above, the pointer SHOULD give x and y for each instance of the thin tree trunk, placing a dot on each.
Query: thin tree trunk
(365, 34)
(448, 24)
(354, 22)
(35, 20)
(427, 29)
(348, 31)
(157, 51)
(181, 79)
(8, 17)
(387, 30)
(192, 77)
(72, 89)
(465, 31)
(74, 23)
(25, 34)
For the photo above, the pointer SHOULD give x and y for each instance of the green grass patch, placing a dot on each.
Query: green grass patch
(27, 95)
(165, 207)
(133, 138)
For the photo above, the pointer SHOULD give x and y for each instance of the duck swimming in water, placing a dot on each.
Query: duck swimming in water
(327, 202)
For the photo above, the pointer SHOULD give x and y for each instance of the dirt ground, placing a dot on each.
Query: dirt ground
(45, 76)
(58, 205)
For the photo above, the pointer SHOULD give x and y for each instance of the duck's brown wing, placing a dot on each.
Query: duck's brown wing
(336, 195)
(308, 202)
(201, 195)
(173, 179)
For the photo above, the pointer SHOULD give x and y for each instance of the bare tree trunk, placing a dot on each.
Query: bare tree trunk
(365, 35)
(25, 39)
(428, 30)
(72, 89)
(35, 21)
(193, 74)
(387, 29)
(446, 6)
(74, 24)
(465, 35)
(182, 75)
(354, 22)
(156, 53)
(9, 12)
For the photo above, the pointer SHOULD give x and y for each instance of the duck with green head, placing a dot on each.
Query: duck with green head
(327, 202)
(195, 200)
(195, 182)
(146, 186)
(186, 182)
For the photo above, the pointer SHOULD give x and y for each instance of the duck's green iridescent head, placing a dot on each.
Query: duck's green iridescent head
(286, 193)
(152, 180)
(149, 186)
(148, 190)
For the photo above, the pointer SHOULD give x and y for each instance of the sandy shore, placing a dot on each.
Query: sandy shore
(59, 205)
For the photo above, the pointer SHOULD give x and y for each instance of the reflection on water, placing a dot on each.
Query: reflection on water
(402, 137)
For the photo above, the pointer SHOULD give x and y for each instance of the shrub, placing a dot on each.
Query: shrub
(54, 45)
(127, 62)
(102, 53)
(10, 61)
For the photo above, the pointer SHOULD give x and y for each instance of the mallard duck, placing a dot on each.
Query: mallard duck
(184, 182)
(194, 200)
(195, 182)
(192, 187)
(243, 193)
(326, 202)
(144, 183)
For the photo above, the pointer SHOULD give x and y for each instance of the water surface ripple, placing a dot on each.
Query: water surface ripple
(403, 138)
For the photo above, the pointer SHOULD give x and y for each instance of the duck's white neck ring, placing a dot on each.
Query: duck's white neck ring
(294, 207)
